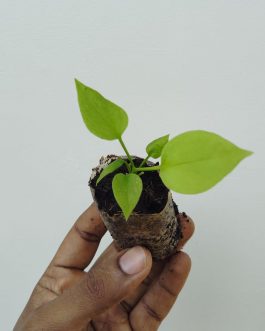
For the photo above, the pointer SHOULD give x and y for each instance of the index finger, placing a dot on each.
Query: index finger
(81, 243)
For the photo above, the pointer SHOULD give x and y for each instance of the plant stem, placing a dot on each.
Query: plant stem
(144, 161)
(127, 165)
(126, 152)
(148, 168)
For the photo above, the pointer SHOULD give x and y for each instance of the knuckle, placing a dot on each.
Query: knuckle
(171, 291)
(51, 284)
(86, 234)
(152, 312)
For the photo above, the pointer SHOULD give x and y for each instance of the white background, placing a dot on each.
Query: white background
(174, 66)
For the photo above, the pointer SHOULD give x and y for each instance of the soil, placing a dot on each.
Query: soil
(153, 198)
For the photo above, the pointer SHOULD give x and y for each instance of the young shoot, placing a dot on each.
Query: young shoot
(190, 163)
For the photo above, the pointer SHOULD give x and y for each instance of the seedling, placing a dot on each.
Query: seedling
(191, 162)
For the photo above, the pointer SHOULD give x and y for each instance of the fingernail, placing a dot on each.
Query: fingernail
(133, 261)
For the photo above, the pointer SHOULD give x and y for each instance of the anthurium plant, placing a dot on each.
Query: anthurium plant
(190, 163)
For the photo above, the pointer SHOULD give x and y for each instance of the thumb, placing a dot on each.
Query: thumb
(114, 275)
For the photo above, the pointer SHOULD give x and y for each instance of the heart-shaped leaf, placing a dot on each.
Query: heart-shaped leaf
(155, 147)
(195, 161)
(110, 168)
(127, 190)
(102, 117)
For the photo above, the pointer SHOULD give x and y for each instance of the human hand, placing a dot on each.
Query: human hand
(123, 291)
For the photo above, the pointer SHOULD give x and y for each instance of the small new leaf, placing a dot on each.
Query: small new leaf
(127, 190)
(110, 168)
(102, 117)
(195, 161)
(155, 147)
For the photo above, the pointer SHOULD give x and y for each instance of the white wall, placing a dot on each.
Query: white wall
(174, 66)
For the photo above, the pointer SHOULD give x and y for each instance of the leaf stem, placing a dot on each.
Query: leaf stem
(126, 152)
(127, 166)
(148, 168)
(144, 161)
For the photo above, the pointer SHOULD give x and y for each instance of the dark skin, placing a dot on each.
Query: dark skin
(120, 292)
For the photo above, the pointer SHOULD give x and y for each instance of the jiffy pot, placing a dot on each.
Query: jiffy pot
(152, 224)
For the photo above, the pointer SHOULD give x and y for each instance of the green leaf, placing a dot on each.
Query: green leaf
(155, 147)
(102, 117)
(127, 190)
(195, 161)
(110, 168)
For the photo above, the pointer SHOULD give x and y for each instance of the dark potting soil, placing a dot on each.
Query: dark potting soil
(153, 198)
